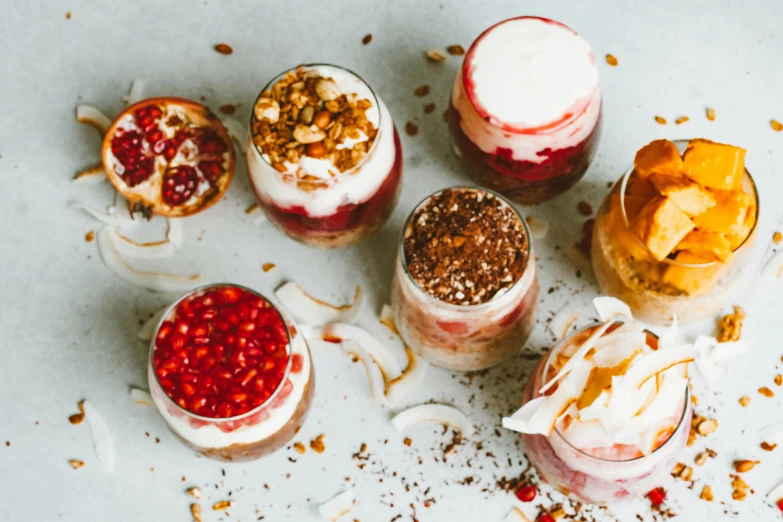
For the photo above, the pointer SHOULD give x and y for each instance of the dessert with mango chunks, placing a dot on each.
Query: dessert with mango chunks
(672, 234)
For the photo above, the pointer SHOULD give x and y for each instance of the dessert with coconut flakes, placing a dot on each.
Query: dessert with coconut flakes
(325, 159)
(675, 234)
(607, 411)
(465, 291)
(525, 109)
(230, 374)
(168, 156)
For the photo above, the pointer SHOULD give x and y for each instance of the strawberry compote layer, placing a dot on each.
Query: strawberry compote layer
(313, 199)
(607, 472)
(468, 312)
(230, 374)
(525, 109)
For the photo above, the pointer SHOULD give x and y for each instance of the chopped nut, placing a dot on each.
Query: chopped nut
(422, 90)
(228, 108)
(317, 444)
(779, 379)
(363, 447)
(267, 109)
(584, 208)
(677, 469)
(742, 466)
(681, 120)
(660, 120)
(739, 495)
(702, 457)
(327, 89)
(694, 398)
(322, 119)
(730, 326)
(367, 38)
(766, 392)
(455, 50)
(76, 464)
(411, 129)
(435, 56)
(306, 134)
(78, 418)
(776, 125)
(706, 427)
(711, 114)
(706, 494)
(194, 492)
(299, 447)
(557, 513)
(429, 108)
(744, 401)
(740, 488)
(224, 48)
(766, 446)
(220, 505)
(268, 267)
(252, 208)
(195, 511)
(777, 238)
(611, 60)
(89, 236)
(687, 474)
(407, 441)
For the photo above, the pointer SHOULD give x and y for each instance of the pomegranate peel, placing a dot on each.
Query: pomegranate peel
(91, 175)
(89, 115)
(136, 91)
(309, 310)
(101, 437)
(338, 506)
(448, 415)
(141, 397)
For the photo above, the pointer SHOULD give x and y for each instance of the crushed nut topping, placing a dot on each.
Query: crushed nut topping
(463, 246)
(611, 60)
(435, 56)
(76, 464)
(194, 492)
(367, 38)
(702, 457)
(220, 505)
(730, 326)
(411, 129)
(584, 208)
(776, 125)
(766, 446)
(766, 392)
(299, 447)
(744, 401)
(706, 427)
(743, 466)
(681, 120)
(267, 267)
(682, 471)
(89, 236)
(429, 108)
(740, 488)
(195, 511)
(422, 90)
(711, 114)
(317, 444)
(78, 418)
(660, 120)
(779, 380)
(777, 238)
(407, 441)
(224, 48)
(305, 113)
(455, 50)
(706, 494)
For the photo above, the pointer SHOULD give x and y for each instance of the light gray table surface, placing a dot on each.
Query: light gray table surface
(70, 323)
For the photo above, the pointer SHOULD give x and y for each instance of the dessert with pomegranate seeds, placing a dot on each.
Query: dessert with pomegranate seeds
(465, 291)
(607, 410)
(230, 374)
(675, 234)
(526, 108)
(168, 156)
(325, 159)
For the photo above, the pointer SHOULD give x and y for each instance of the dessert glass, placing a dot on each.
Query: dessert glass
(464, 337)
(541, 147)
(277, 413)
(601, 475)
(625, 269)
(323, 210)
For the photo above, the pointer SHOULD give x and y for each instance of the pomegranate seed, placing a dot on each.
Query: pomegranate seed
(179, 184)
(247, 327)
(527, 493)
(212, 170)
(188, 389)
(780, 504)
(545, 518)
(657, 496)
(231, 294)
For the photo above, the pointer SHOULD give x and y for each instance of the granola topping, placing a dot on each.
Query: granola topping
(465, 246)
(311, 128)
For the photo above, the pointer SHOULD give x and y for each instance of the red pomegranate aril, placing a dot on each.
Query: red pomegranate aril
(208, 314)
(188, 389)
(164, 331)
(248, 327)
(249, 376)
(545, 518)
(177, 341)
(779, 503)
(225, 410)
(219, 350)
(527, 493)
(197, 403)
(158, 146)
(212, 170)
(179, 184)
(222, 324)
(657, 496)
(237, 396)
(238, 359)
(259, 384)
(181, 326)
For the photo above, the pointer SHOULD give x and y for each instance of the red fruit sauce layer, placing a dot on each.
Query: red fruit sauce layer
(222, 352)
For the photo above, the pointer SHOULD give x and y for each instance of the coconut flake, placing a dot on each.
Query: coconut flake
(101, 437)
(375, 376)
(563, 320)
(89, 115)
(380, 353)
(448, 415)
(91, 175)
(148, 329)
(237, 131)
(545, 417)
(587, 434)
(159, 282)
(772, 433)
(609, 308)
(515, 515)
(773, 269)
(649, 437)
(141, 397)
(415, 366)
(539, 228)
(648, 365)
(125, 246)
(578, 356)
(338, 506)
(136, 91)
(309, 310)
(668, 339)
(97, 214)
(710, 354)
(520, 419)
(776, 493)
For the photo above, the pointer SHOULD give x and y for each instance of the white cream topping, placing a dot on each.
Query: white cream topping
(210, 436)
(352, 187)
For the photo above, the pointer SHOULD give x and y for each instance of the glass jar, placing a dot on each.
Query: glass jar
(656, 290)
(464, 337)
(533, 152)
(230, 373)
(317, 203)
(622, 472)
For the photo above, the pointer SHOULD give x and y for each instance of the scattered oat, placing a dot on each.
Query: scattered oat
(766, 392)
(317, 444)
(611, 60)
(777, 238)
(422, 90)
(220, 505)
(411, 129)
(711, 114)
(367, 38)
(743, 466)
(194, 492)
(195, 511)
(299, 447)
(429, 108)
(89, 236)
(730, 326)
(224, 48)
(766, 446)
(455, 50)
(228, 108)
(585, 208)
(706, 494)
(660, 120)
(76, 464)
(435, 56)
(78, 418)
(268, 267)
(776, 125)
(681, 120)
(706, 427)
(407, 441)
(744, 401)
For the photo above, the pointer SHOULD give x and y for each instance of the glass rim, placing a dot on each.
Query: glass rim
(479, 306)
(312, 66)
(559, 346)
(666, 260)
(204, 288)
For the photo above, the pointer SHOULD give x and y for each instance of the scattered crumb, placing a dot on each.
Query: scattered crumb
(766, 446)
(779, 379)
(706, 494)
(195, 511)
(76, 464)
(584, 208)
(194, 492)
(711, 114)
(744, 401)
(220, 505)
(89, 236)
(429, 108)
(435, 56)
(317, 444)
(766, 392)
(268, 267)
(743, 466)
(411, 129)
(78, 418)
(455, 50)
(299, 447)
(252, 208)
(776, 125)
(660, 120)
(224, 48)
(446, 115)
(228, 108)
(681, 120)
(730, 326)
(706, 427)
(777, 238)
(367, 38)
(68, 15)
(422, 90)
(611, 60)
(702, 457)
(740, 488)
(407, 441)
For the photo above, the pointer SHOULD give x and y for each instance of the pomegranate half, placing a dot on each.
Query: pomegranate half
(168, 156)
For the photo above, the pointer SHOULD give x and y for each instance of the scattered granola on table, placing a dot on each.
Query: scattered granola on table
(730, 326)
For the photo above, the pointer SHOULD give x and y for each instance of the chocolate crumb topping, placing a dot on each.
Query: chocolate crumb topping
(463, 246)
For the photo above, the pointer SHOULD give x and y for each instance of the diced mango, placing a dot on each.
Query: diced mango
(689, 196)
(739, 234)
(638, 186)
(729, 215)
(714, 165)
(659, 156)
(660, 226)
(707, 245)
(618, 229)
(692, 281)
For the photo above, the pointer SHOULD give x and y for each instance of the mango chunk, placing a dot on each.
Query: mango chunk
(659, 156)
(638, 186)
(738, 235)
(712, 246)
(714, 165)
(660, 225)
(729, 215)
(618, 229)
(690, 197)
(692, 281)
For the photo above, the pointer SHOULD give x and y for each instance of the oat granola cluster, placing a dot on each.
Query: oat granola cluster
(306, 114)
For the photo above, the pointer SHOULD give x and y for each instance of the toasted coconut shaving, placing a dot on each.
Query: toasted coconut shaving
(148, 329)
(159, 282)
(91, 175)
(382, 354)
(136, 91)
(520, 420)
(587, 434)
(648, 366)
(539, 228)
(238, 133)
(609, 308)
(773, 433)
(101, 437)
(515, 515)
(309, 310)
(649, 437)
(142, 397)
(125, 246)
(97, 214)
(568, 392)
(578, 357)
(773, 269)
(377, 379)
(563, 321)
(415, 366)
(338, 506)
(442, 413)
(89, 115)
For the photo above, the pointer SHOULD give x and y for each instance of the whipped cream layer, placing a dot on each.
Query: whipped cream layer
(210, 436)
(354, 186)
(526, 76)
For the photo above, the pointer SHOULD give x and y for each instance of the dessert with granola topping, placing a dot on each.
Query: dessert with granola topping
(607, 411)
(325, 159)
(465, 291)
(675, 234)
(525, 109)
(229, 373)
